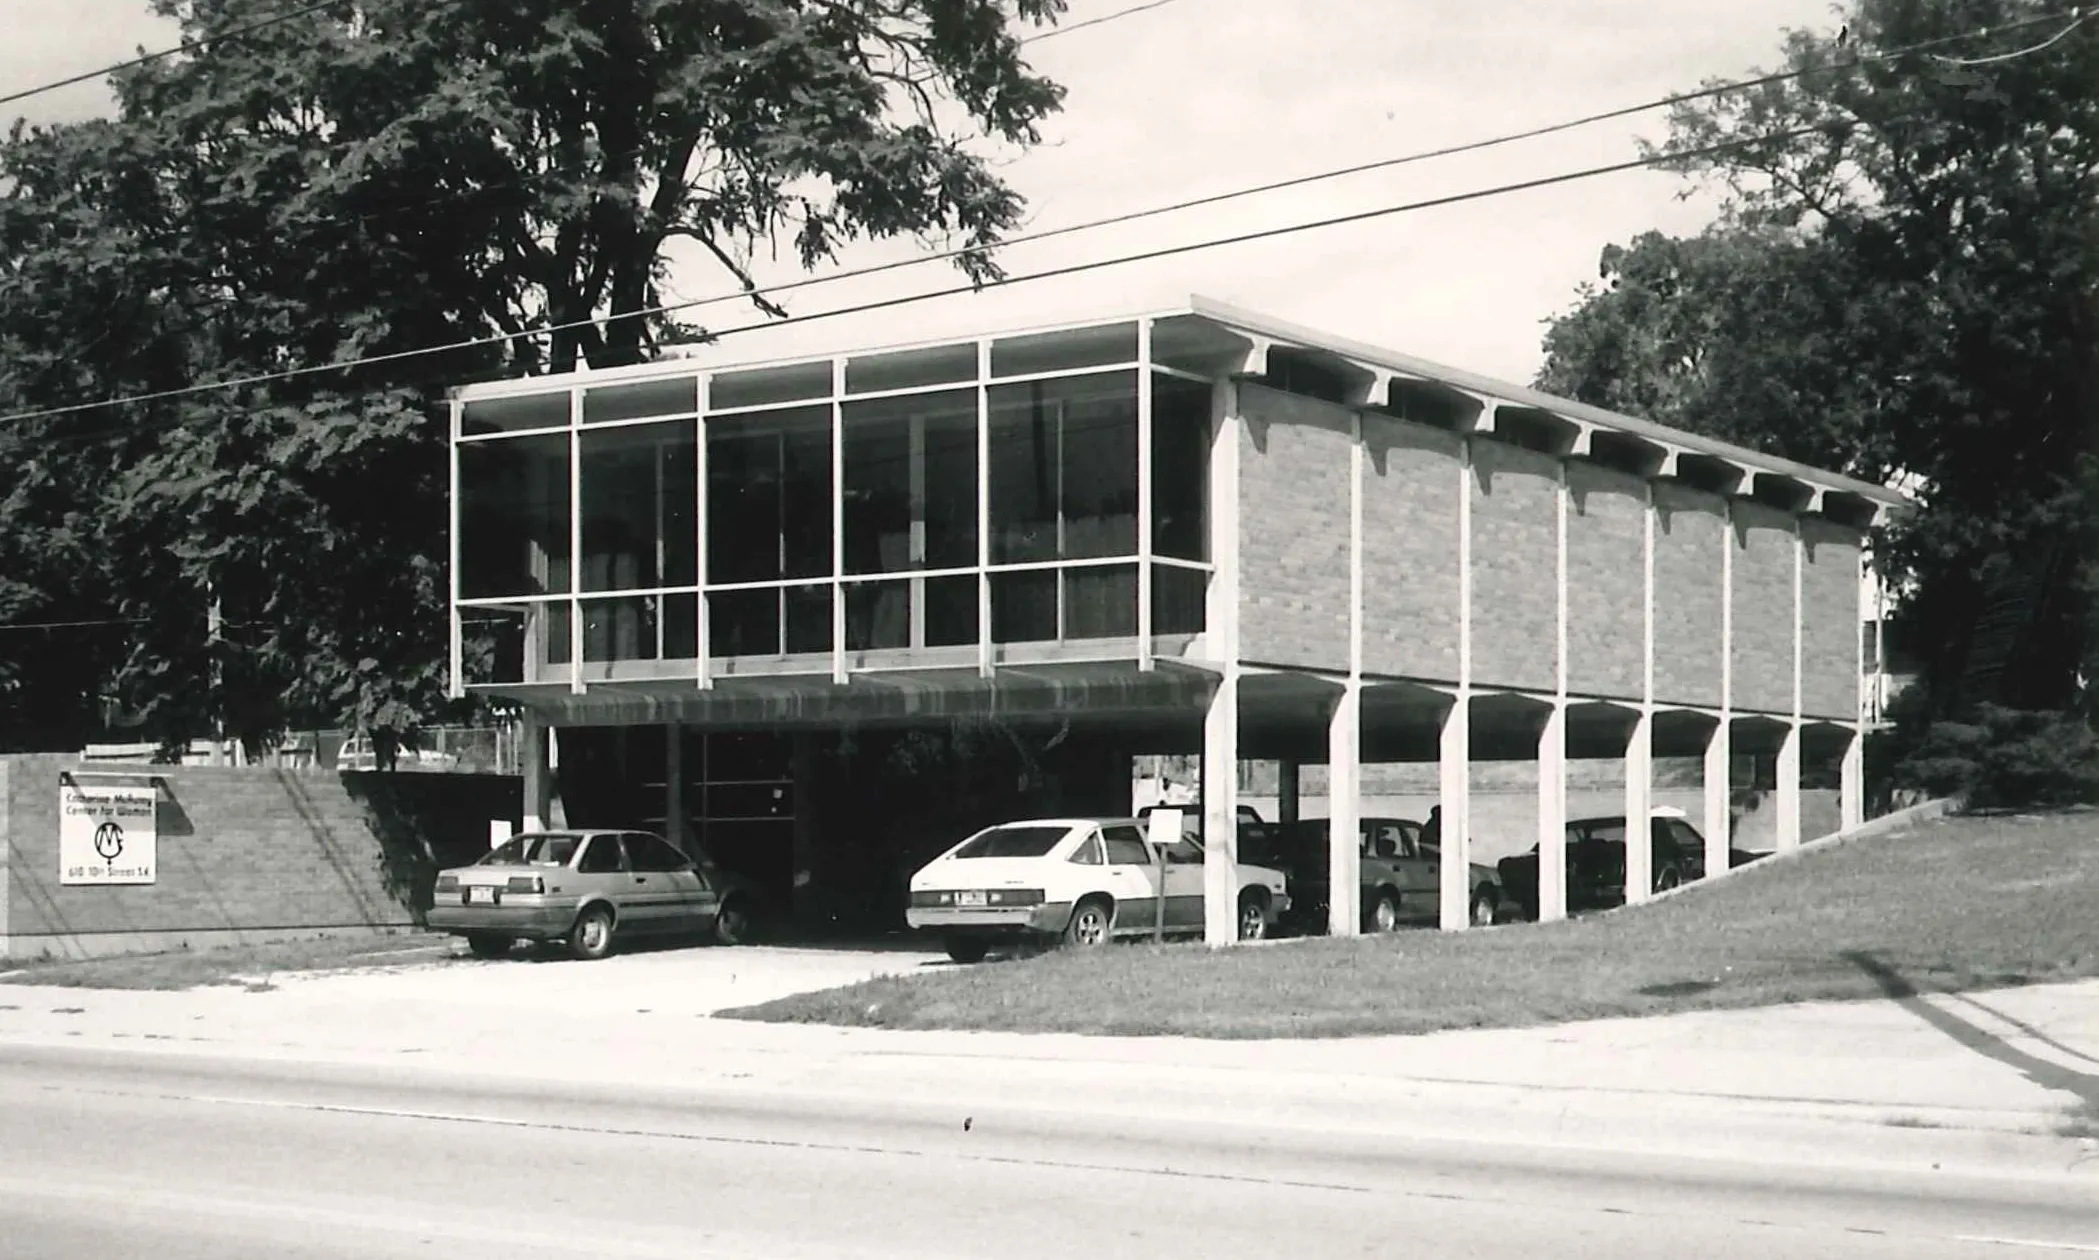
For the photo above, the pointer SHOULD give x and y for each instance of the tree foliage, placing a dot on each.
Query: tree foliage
(373, 179)
(1904, 284)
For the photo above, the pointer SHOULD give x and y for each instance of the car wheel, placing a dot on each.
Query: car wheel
(967, 949)
(488, 944)
(1384, 913)
(1486, 908)
(732, 923)
(591, 938)
(1666, 878)
(1253, 916)
(1092, 922)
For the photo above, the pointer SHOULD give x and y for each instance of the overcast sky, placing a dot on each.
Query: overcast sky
(1202, 96)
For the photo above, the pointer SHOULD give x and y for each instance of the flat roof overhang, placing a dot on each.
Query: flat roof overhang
(1217, 339)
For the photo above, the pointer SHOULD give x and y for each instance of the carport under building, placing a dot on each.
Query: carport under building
(1195, 528)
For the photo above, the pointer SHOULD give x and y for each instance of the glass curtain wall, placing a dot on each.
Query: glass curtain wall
(899, 492)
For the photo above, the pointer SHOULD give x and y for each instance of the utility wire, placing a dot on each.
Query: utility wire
(188, 46)
(741, 294)
(2078, 17)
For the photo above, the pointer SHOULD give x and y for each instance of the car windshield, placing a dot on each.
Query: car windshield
(1013, 842)
(533, 849)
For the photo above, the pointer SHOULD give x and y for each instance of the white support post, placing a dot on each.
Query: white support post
(1552, 816)
(1789, 788)
(915, 452)
(1145, 474)
(455, 672)
(575, 542)
(838, 670)
(1344, 788)
(983, 509)
(537, 773)
(1454, 798)
(1639, 808)
(703, 648)
(1454, 748)
(1220, 805)
(1851, 782)
(1719, 797)
(1220, 766)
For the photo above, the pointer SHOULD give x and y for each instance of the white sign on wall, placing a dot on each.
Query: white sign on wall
(106, 834)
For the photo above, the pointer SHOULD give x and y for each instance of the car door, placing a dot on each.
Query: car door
(601, 870)
(1132, 876)
(1184, 880)
(678, 896)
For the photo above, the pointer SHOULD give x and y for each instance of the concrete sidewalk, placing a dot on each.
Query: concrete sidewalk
(2004, 1082)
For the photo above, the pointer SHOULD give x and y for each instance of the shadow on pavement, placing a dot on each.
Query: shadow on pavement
(2054, 1076)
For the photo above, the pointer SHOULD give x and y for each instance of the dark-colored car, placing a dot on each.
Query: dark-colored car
(1399, 870)
(1596, 862)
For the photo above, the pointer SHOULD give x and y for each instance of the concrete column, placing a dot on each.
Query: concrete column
(1552, 816)
(674, 785)
(1344, 811)
(1851, 783)
(1639, 804)
(1454, 773)
(1719, 797)
(1288, 793)
(1220, 800)
(532, 740)
(1789, 788)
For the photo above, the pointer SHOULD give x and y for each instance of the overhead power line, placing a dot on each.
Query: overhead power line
(741, 295)
(187, 46)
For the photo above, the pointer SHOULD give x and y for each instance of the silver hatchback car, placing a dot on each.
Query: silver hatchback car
(588, 888)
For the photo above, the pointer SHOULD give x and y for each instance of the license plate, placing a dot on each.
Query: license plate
(480, 896)
(969, 899)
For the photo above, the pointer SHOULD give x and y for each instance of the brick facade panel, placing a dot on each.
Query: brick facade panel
(1690, 592)
(1294, 464)
(1606, 625)
(1829, 596)
(1515, 567)
(248, 848)
(1410, 550)
(1763, 609)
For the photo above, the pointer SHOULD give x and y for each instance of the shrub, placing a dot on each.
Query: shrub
(2008, 759)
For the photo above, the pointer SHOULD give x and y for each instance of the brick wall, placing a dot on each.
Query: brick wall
(1690, 541)
(1606, 626)
(1294, 464)
(1763, 609)
(1829, 614)
(244, 851)
(1410, 550)
(1515, 567)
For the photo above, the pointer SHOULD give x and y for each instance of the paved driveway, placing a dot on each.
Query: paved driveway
(680, 980)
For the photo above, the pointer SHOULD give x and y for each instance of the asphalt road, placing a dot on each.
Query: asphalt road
(172, 1157)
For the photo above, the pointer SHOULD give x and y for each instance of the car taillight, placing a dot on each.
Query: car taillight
(525, 884)
(924, 899)
(448, 883)
(1014, 897)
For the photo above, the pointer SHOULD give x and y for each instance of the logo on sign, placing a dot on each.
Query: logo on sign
(109, 841)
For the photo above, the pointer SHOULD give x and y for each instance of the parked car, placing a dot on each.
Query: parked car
(1084, 881)
(1596, 861)
(590, 889)
(1401, 878)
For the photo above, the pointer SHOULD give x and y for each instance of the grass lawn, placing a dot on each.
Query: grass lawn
(1954, 903)
(248, 964)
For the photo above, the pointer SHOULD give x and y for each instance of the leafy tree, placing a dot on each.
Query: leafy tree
(386, 175)
(1905, 281)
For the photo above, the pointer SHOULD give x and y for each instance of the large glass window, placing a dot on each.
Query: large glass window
(1180, 467)
(1064, 468)
(769, 495)
(910, 503)
(514, 517)
(639, 486)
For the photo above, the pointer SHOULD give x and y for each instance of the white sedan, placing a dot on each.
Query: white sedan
(1084, 880)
